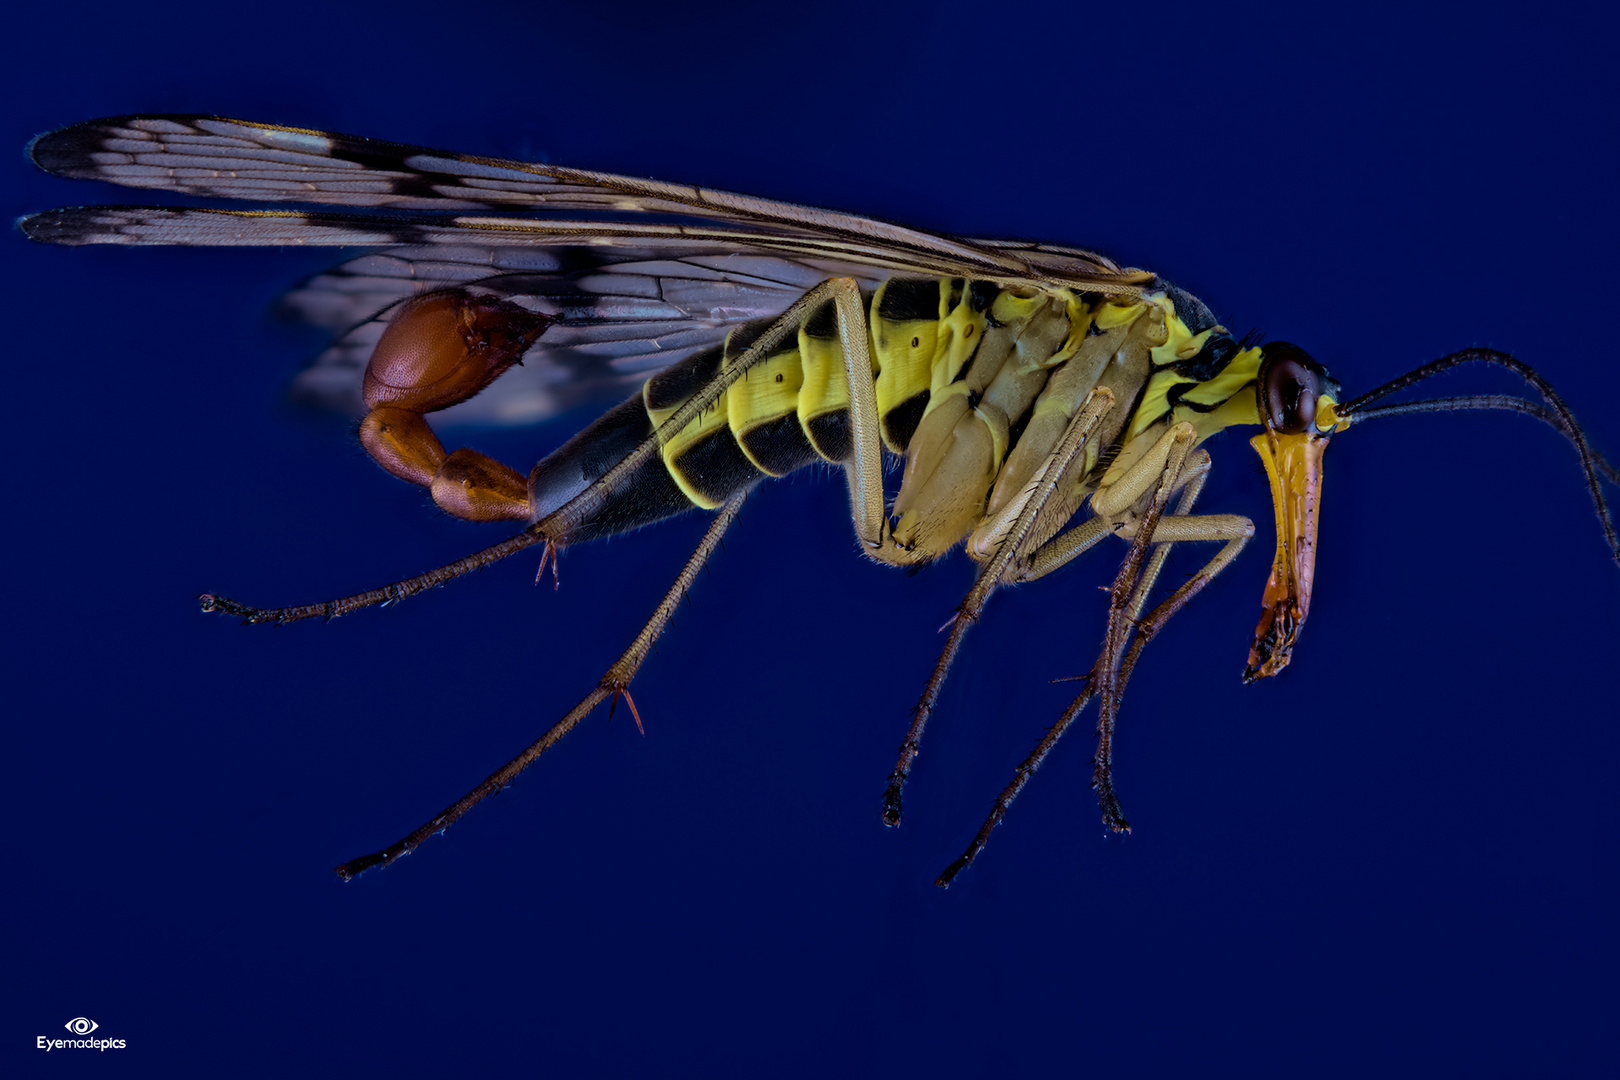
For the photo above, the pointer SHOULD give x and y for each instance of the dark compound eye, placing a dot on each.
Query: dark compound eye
(1289, 384)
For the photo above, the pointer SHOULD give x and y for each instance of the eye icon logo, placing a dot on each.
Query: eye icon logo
(79, 1027)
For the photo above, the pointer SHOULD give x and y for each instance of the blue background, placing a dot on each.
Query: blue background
(1400, 856)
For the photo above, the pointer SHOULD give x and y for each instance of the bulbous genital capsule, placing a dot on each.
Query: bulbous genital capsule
(438, 350)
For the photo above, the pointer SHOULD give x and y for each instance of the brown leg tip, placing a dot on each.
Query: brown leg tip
(891, 801)
(355, 867)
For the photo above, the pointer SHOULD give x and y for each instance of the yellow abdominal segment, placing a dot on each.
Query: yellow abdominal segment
(975, 385)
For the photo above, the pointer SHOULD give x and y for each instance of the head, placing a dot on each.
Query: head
(1297, 402)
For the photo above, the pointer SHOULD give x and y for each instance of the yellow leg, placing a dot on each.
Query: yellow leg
(1128, 633)
(994, 572)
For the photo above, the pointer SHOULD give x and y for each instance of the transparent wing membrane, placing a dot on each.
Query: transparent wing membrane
(665, 271)
(216, 157)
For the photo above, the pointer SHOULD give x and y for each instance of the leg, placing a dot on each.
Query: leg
(1125, 600)
(864, 474)
(1062, 549)
(1232, 529)
(993, 573)
(612, 684)
(388, 594)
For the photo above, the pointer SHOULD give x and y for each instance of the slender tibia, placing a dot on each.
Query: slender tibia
(612, 684)
(399, 590)
(960, 623)
(995, 571)
(864, 472)
(1106, 673)
(1126, 597)
(1144, 631)
(1135, 582)
(1021, 775)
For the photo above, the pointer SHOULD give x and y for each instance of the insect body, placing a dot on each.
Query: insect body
(1041, 398)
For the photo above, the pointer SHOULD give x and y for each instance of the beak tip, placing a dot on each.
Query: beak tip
(1274, 640)
(1265, 669)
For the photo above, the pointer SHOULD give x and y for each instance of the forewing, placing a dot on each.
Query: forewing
(223, 158)
(207, 227)
(650, 274)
